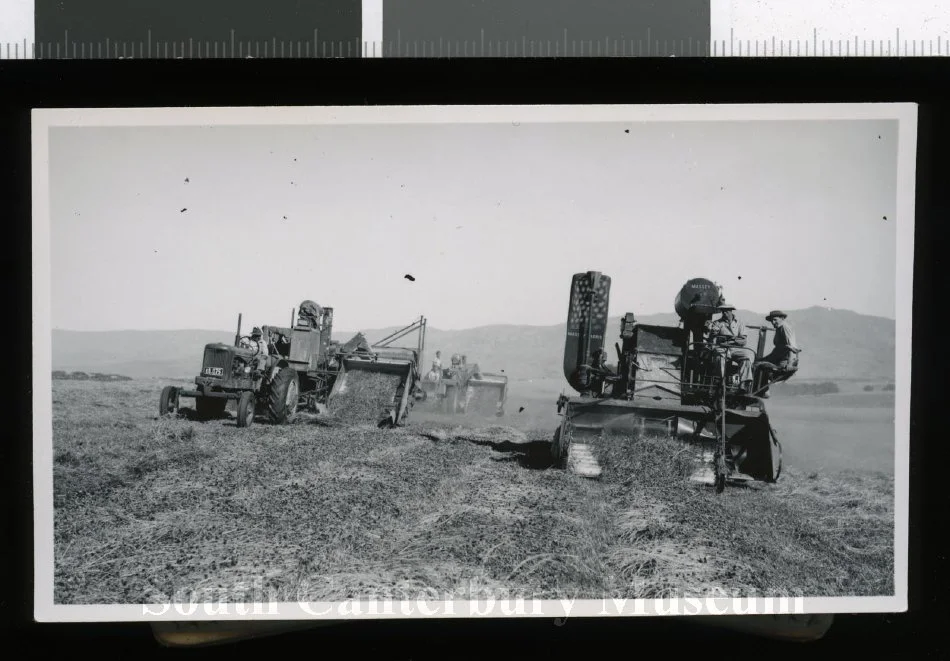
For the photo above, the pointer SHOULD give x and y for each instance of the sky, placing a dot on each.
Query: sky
(184, 227)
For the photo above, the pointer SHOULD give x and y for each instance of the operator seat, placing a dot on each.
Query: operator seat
(762, 370)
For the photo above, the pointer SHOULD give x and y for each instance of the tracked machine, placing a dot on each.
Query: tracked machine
(464, 387)
(302, 369)
(668, 380)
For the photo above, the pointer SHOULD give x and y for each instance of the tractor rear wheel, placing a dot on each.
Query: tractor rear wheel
(245, 409)
(210, 408)
(168, 403)
(283, 394)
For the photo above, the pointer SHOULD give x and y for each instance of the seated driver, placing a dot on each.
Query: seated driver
(784, 355)
(728, 332)
(595, 375)
(785, 351)
(259, 345)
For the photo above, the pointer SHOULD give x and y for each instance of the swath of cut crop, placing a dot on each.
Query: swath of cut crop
(363, 396)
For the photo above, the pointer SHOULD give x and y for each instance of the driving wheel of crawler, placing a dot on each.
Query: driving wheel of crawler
(560, 448)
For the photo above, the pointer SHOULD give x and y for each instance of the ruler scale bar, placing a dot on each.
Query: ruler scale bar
(732, 28)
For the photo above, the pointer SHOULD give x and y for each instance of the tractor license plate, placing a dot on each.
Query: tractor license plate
(214, 371)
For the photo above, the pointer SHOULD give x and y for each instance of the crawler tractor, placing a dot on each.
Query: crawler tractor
(303, 370)
(668, 380)
(452, 390)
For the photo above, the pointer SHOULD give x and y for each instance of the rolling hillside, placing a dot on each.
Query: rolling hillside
(838, 344)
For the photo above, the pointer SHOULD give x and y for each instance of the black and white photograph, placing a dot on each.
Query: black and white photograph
(471, 361)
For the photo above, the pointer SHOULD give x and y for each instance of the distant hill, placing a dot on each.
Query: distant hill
(83, 376)
(837, 344)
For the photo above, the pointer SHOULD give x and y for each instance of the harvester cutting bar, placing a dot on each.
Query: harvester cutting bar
(587, 421)
(626, 416)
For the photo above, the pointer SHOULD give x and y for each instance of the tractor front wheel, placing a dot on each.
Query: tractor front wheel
(168, 404)
(283, 394)
(245, 409)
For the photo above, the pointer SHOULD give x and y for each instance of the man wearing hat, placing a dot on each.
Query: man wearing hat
(258, 344)
(729, 332)
(784, 355)
(785, 351)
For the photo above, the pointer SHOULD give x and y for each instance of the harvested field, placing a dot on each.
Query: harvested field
(810, 534)
(149, 509)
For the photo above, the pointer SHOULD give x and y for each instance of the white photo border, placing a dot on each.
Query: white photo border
(45, 608)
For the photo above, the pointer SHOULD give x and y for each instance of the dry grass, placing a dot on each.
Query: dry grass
(147, 509)
(809, 534)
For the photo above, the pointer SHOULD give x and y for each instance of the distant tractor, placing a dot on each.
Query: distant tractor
(452, 390)
(302, 370)
(668, 380)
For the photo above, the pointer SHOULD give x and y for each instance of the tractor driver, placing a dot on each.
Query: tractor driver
(260, 346)
(729, 332)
